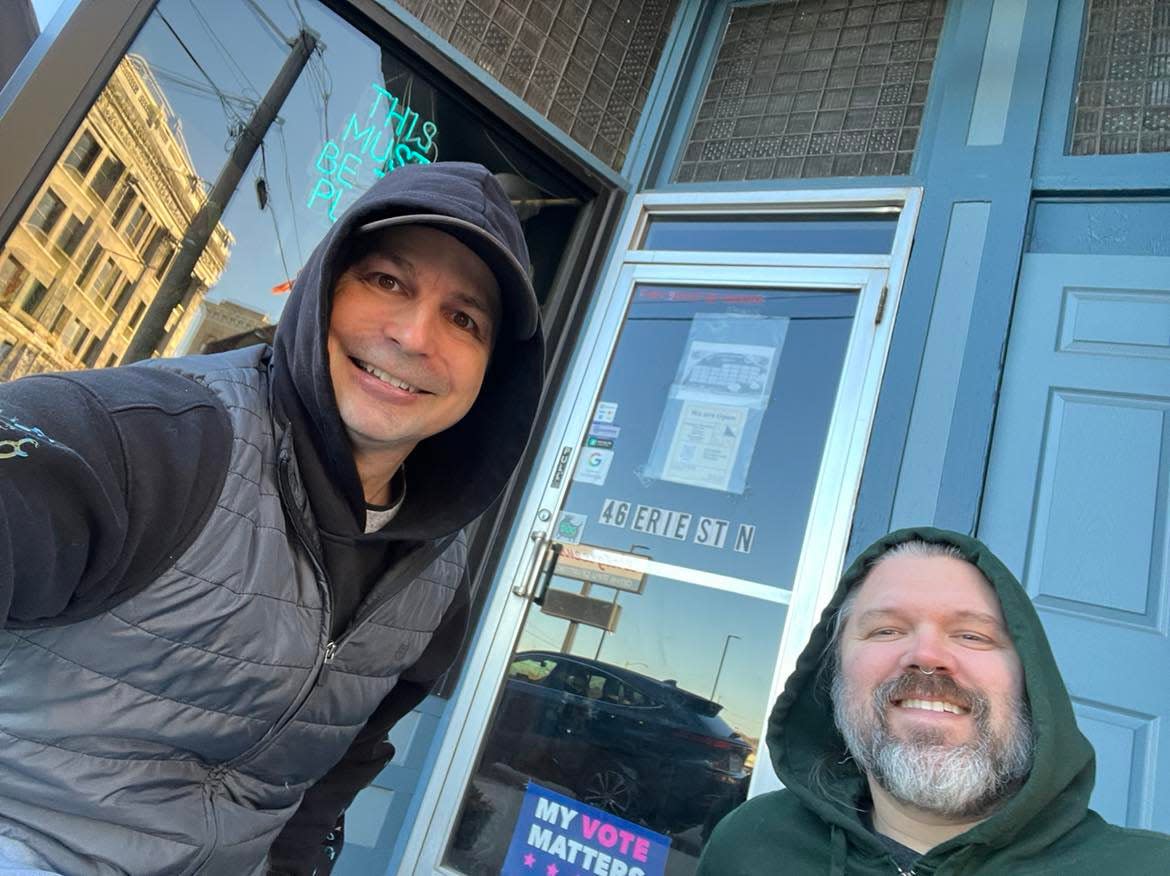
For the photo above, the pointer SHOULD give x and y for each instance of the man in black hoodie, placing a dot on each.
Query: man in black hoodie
(224, 578)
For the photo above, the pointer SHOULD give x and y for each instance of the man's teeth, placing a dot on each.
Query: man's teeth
(387, 378)
(932, 706)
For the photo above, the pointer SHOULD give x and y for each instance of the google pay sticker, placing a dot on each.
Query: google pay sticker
(593, 466)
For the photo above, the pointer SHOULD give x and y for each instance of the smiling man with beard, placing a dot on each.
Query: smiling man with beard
(926, 729)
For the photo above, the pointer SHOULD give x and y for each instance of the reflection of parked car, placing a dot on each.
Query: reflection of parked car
(638, 747)
(735, 373)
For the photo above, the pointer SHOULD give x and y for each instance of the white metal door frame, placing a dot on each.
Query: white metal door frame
(878, 282)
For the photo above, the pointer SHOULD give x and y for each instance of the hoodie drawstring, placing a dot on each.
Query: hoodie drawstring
(837, 851)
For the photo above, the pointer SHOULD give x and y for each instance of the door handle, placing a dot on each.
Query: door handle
(550, 570)
(525, 587)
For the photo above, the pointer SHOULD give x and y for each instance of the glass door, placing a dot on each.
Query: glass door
(635, 693)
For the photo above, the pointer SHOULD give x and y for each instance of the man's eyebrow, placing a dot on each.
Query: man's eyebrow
(392, 256)
(981, 617)
(966, 615)
(479, 302)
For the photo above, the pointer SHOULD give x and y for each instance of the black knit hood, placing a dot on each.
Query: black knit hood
(455, 475)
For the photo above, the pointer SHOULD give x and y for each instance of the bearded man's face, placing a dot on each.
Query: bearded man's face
(928, 692)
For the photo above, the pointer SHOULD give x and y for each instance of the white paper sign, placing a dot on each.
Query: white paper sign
(722, 373)
(705, 445)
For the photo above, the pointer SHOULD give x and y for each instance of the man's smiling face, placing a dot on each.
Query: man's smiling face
(929, 677)
(410, 334)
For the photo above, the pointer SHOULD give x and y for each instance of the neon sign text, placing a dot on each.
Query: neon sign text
(391, 135)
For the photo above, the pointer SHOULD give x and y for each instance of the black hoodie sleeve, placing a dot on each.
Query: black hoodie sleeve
(105, 477)
(312, 839)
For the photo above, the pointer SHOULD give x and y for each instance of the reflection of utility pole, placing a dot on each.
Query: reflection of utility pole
(177, 282)
(726, 641)
(571, 632)
(634, 548)
(601, 641)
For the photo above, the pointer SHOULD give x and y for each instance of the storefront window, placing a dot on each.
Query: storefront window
(99, 236)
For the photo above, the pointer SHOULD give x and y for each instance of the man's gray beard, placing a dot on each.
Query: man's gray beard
(960, 781)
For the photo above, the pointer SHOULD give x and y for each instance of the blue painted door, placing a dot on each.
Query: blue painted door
(1076, 503)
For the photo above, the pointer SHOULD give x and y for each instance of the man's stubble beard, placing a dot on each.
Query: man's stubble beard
(968, 780)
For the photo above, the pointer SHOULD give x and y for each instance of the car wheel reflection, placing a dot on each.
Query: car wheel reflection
(612, 787)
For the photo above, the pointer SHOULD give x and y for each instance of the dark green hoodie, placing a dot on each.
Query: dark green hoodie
(1046, 828)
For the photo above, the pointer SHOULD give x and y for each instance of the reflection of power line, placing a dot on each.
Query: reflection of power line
(292, 204)
(234, 68)
(223, 101)
(268, 23)
(541, 638)
(272, 212)
(194, 86)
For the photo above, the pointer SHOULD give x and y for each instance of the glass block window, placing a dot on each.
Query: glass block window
(1123, 84)
(586, 65)
(815, 88)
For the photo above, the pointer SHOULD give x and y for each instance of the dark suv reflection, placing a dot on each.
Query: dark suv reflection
(643, 749)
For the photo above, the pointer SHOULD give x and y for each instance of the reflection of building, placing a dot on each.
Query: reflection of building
(80, 269)
(223, 319)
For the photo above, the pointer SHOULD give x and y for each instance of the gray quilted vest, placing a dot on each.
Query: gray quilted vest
(176, 733)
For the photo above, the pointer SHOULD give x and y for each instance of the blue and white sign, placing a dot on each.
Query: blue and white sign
(557, 836)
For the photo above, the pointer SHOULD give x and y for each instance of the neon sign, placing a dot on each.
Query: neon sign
(389, 137)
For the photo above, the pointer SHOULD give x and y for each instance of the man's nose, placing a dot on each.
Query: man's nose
(413, 325)
(928, 653)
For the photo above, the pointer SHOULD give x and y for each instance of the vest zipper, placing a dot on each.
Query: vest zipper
(210, 781)
(324, 655)
(379, 597)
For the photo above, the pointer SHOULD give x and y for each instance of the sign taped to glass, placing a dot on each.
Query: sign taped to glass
(716, 403)
(556, 834)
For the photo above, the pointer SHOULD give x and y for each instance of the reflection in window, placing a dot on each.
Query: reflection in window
(71, 235)
(124, 296)
(35, 297)
(91, 352)
(136, 171)
(46, 213)
(12, 277)
(793, 232)
(107, 177)
(137, 224)
(83, 154)
(106, 279)
(91, 260)
(124, 203)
